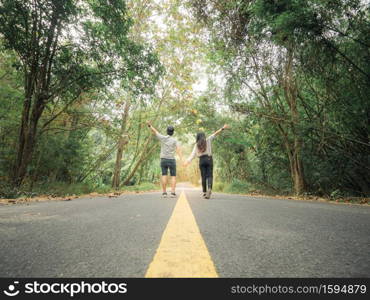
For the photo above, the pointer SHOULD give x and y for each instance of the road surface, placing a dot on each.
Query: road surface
(143, 235)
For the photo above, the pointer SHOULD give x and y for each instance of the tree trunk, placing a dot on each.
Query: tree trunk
(27, 138)
(263, 170)
(299, 179)
(294, 148)
(102, 158)
(145, 154)
(117, 167)
(121, 144)
(37, 81)
(141, 172)
(296, 171)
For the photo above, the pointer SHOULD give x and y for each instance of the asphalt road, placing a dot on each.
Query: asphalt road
(245, 236)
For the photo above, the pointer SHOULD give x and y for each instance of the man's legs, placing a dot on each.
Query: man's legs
(164, 168)
(164, 183)
(173, 184)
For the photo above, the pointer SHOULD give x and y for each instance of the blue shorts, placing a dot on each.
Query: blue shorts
(168, 164)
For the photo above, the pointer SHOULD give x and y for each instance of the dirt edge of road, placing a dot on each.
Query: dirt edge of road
(43, 198)
(345, 201)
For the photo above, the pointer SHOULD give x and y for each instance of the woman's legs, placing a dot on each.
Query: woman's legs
(209, 176)
(203, 172)
(206, 171)
(209, 173)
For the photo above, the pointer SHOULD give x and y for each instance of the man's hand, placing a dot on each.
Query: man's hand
(185, 164)
(225, 126)
(155, 131)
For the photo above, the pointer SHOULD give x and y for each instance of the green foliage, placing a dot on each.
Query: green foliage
(298, 76)
(10, 105)
(59, 188)
(66, 53)
(295, 92)
(238, 187)
(144, 186)
(219, 186)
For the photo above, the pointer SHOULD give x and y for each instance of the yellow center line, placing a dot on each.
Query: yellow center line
(182, 251)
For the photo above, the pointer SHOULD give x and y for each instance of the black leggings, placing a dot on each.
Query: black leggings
(206, 171)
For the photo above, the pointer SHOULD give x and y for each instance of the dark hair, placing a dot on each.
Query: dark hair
(170, 130)
(201, 142)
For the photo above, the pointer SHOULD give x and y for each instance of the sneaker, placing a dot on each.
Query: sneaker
(208, 194)
(164, 195)
(204, 195)
(173, 195)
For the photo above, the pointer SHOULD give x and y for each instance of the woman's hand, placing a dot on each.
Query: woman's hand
(221, 129)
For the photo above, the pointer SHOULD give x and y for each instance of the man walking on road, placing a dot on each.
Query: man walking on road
(169, 145)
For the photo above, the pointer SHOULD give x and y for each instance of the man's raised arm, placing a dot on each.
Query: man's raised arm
(155, 131)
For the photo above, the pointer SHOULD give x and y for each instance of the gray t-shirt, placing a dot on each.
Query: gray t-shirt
(168, 146)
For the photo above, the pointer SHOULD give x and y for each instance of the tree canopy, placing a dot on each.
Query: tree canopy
(78, 80)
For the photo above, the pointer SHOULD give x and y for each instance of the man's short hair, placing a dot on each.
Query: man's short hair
(170, 130)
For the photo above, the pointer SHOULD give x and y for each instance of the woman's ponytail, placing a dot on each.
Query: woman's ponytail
(201, 142)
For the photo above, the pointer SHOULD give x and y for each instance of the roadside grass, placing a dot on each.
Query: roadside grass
(142, 187)
(241, 187)
(81, 189)
(62, 189)
(246, 188)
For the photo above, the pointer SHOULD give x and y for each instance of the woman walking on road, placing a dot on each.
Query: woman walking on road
(203, 149)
